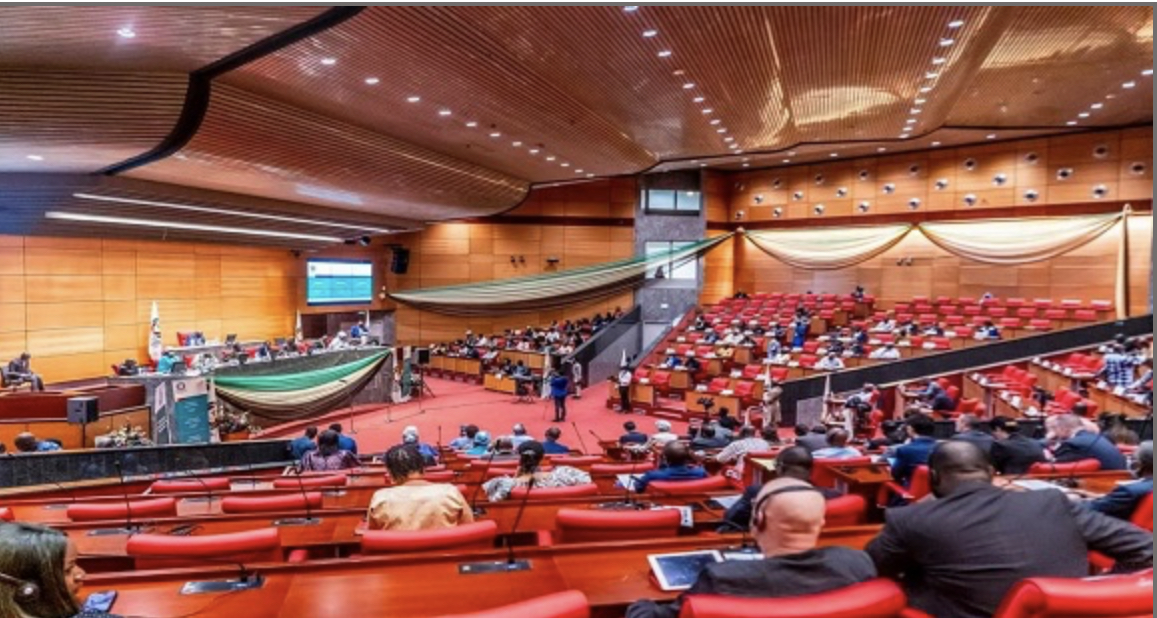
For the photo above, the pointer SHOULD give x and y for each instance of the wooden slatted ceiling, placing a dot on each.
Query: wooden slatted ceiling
(256, 146)
(166, 38)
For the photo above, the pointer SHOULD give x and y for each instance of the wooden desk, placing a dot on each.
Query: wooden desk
(499, 384)
(1108, 401)
(642, 395)
(681, 381)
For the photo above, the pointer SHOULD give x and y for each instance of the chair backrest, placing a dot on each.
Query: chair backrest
(683, 488)
(661, 378)
(575, 461)
(849, 510)
(719, 385)
(921, 483)
(552, 493)
(569, 604)
(821, 473)
(180, 486)
(162, 551)
(158, 507)
(270, 504)
(744, 389)
(879, 598)
(478, 535)
(1075, 467)
(6, 514)
(1107, 597)
(622, 468)
(310, 482)
(439, 476)
(1143, 513)
(589, 525)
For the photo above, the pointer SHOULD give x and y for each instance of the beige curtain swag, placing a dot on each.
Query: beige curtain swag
(829, 248)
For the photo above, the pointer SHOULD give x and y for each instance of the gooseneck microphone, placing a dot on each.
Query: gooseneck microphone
(579, 435)
(474, 495)
(514, 528)
(309, 519)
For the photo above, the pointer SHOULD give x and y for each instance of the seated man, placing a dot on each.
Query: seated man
(887, 352)
(794, 462)
(1012, 451)
(27, 443)
(1123, 500)
(947, 571)
(786, 525)
(672, 361)
(412, 503)
(915, 453)
(303, 444)
(968, 429)
(519, 435)
(632, 435)
(831, 362)
(481, 444)
(465, 438)
(1077, 443)
(676, 465)
(429, 453)
(344, 442)
(662, 435)
(814, 440)
(838, 449)
(551, 446)
(748, 442)
(19, 371)
(692, 365)
(708, 439)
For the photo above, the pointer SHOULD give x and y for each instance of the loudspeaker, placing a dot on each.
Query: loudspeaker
(423, 356)
(401, 261)
(83, 410)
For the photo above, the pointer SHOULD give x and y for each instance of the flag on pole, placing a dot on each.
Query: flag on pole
(624, 363)
(156, 347)
(297, 327)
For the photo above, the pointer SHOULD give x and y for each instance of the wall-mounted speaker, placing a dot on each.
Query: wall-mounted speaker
(400, 262)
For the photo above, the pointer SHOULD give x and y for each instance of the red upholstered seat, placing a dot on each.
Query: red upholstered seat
(590, 525)
(810, 347)
(440, 476)
(569, 604)
(849, 510)
(1125, 596)
(661, 380)
(180, 486)
(752, 372)
(1054, 314)
(1026, 313)
(553, 493)
(1085, 315)
(1142, 517)
(718, 385)
(1040, 325)
(919, 486)
(745, 389)
(270, 504)
(1076, 467)
(879, 598)
(642, 373)
(682, 488)
(622, 468)
(310, 482)
(478, 535)
(162, 551)
(159, 507)
(6, 514)
(808, 361)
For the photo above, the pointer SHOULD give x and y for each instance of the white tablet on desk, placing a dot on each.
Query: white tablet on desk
(679, 571)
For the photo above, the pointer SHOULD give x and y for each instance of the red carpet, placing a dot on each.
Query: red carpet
(456, 404)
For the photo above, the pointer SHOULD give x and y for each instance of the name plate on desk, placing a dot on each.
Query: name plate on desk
(498, 566)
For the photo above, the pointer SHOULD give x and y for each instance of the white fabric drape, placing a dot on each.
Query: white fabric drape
(828, 248)
(1017, 241)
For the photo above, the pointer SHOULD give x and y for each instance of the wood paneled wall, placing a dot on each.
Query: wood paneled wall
(79, 305)
(603, 198)
(1088, 273)
(1096, 159)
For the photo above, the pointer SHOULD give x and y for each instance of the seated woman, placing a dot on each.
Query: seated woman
(328, 457)
(413, 503)
(530, 456)
(46, 559)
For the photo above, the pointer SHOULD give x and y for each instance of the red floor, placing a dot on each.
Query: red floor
(377, 428)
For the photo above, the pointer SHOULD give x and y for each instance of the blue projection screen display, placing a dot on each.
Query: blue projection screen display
(339, 282)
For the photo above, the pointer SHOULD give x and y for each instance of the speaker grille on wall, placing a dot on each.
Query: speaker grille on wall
(83, 410)
(422, 356)
(400, 262)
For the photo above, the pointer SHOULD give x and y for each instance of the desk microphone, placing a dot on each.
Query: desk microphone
(247, 579)
(67, 490)
(474, 495)
(309, 519)
(579, 435)
(130, 528)
(509, 565)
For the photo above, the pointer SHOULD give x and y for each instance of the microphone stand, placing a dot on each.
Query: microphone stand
(510, 565)
(579, 435)
(349, 401)
(474, 495)
(309, 519)
(129, 528)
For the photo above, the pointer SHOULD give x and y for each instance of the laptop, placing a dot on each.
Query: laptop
(179, 368)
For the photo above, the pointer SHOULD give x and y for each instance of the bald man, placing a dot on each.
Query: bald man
(786, 524)
(959, 555)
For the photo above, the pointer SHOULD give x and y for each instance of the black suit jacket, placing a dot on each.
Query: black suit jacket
(810, 572)
(1016, 454)
(979, 438)
(960, 555)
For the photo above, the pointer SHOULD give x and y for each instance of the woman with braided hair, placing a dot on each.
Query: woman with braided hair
(530, 456)
(412, 502)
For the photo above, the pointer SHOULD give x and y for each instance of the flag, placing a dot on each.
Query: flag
(624, 363)
(156, 347)
(297, 327)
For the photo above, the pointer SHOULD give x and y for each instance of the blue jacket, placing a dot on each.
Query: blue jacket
(347, 443)
(1089, 445)
(670, 473)
(911, 455)
(558, 386)
(1123, 500)
(550, 447)
(300, 446)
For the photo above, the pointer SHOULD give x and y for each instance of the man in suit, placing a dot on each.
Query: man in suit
(344, 442)
(968, 429)
(1013, 452)
(915, 453)
(813, 441)
(304, 444)
(19, 371)
(788, 518)
(794, 462)
(958, 555)
(677, 465)
(632, 435)
(1078, 443)
(1123, 500)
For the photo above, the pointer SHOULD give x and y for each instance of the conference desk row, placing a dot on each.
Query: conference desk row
(611, 575)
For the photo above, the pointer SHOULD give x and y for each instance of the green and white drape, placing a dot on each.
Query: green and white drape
(549, 291)
(286, 397)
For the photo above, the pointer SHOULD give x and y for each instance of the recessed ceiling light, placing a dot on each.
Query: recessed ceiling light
(947, 42)
(678, 72)
(551, 158)
(746, 159)
(787, 160)
(939, 61)
(1096, 106)
(472, 124)
(935, 143)
(956, 24)
(716, 121)
(496, 134)
(176, 225)
(329, 62)
(533, 151)
(905, 135)
(926, 89)
(373, 81)
(579, 171)
(1129, 85)
(35, 158)
(733, 146)
(702, 165)
(1083, 115)
(738, 152)
(881, 149)
(920, 101)
(708, 111)
(1147, 72)
(910, 121)
(444, 112)
(590, 175)
(931, 75)
(630, 8)
(516, 144)
(650, 33)
(1072, 123)
(721, 130)
(699, 99)
(791, 153)
(729, 139)
(413, 99)
(746, 165)
(127, 32)
(1110, 96)
(665, 53)
(990, 136)
(915, 110)
(564, 164)
(834, 155)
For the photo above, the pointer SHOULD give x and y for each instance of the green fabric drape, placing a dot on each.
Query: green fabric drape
(297, 381)
(548, 291)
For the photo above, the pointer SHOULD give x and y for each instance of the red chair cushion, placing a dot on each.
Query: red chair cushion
(270, 504)
(1076, 467)
(478, 535)
(878, 598)
(682, 488)
(589, 525)
(180, 486)
(164, 551)
(310, 482)
(569, 604)
(6, 514)
(552, 493)
(622, 468)
(849, 510)
(159, 507)
(1109, 597)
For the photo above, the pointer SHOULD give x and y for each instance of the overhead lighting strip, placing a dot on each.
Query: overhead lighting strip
(83, 218)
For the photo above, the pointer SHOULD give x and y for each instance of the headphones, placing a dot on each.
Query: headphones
(25, 590)
(757, 520)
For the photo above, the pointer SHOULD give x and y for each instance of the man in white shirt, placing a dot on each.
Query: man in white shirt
(625, 390)
(887, 325)
(838, 449)
(887, 352)
(831, 362)
(662, 436)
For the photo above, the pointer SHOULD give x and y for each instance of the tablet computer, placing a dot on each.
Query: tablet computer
(679, 571)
